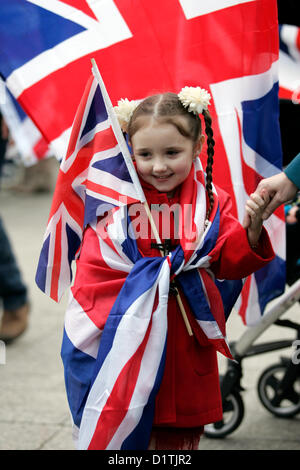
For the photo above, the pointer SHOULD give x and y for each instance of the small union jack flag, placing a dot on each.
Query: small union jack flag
(93, 178)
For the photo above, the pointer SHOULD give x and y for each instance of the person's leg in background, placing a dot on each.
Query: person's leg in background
(13, 292)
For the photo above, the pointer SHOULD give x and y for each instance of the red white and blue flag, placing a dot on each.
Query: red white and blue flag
(142, 47)
(247, 110)
(289, 62)
(30, 143)
(109, 410)
(231, 47)
(113, 371)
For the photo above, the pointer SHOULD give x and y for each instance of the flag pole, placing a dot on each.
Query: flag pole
(125, 151)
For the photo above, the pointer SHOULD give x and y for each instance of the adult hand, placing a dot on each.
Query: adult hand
(279, 188)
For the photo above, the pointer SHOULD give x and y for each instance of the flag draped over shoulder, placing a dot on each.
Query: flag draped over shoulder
(229, 47)
(93, 178)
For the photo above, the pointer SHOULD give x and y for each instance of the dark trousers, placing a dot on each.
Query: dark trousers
(13, 292)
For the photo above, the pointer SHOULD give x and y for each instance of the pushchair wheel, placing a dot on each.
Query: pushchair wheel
(284, 405)
(233, 414)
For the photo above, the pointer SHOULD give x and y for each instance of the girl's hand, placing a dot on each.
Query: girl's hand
(253, 220)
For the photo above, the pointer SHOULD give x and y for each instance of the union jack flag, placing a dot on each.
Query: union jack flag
(30, 143)
(144, 47)
(113, 371)
(248, 106)
(289, 62)
(289, 89)
(109, 412)
(93, 178)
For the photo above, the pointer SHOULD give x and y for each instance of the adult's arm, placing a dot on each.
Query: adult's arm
(282, 187)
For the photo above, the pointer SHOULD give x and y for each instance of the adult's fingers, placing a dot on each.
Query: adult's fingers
(246, 220)
(271, 207)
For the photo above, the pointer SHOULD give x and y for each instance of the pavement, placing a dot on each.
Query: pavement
(34, 414)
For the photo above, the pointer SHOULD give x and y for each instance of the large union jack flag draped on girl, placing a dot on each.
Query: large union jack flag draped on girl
(229, 47)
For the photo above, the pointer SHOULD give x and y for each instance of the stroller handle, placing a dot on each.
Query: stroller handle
(281, 305)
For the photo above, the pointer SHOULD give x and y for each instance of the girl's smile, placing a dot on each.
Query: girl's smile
(163, 155)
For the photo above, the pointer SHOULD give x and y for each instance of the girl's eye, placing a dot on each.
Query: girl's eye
(143, 154)
(172, 152)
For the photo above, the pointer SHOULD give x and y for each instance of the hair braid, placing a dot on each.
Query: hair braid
(210, 160)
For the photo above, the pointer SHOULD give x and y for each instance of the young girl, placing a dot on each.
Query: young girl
(162, 399)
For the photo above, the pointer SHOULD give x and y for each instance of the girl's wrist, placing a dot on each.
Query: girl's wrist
(254, 239)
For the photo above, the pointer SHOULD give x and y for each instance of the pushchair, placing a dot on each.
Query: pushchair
(278, 386)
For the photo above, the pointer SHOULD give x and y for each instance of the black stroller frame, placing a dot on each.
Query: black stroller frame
(276, 385)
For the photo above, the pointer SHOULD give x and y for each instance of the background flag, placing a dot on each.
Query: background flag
(229, 47)
(93, 178)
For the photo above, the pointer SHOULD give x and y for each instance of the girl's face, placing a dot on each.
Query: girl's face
(163, 155)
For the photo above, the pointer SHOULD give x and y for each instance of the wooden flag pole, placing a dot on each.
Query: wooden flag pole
(131, 169)
(178, 298)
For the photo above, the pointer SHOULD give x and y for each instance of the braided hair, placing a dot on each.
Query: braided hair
(210, 160)
(166, 107)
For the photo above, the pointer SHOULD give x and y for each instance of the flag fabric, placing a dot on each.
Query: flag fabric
(248, 106)
(93, 178)
(143, 47)
(30, 143)
(289, 62)
(232, 48)
(289, 90)
(111, 411)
